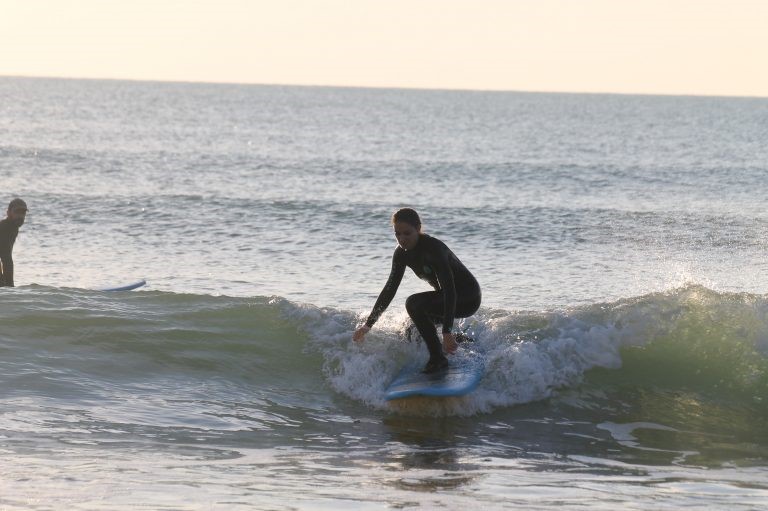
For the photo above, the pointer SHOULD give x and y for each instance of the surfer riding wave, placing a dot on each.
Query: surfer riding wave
(456, 291)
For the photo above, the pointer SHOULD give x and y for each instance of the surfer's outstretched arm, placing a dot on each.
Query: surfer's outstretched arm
(386, 295)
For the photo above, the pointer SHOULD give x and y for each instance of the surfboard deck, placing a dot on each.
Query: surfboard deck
(125, 287)
(463, 374)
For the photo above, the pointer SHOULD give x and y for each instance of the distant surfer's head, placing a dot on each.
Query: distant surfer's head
(17, 211)
(407, 225)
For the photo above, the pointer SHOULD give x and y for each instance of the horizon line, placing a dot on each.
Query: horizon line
(385, 87)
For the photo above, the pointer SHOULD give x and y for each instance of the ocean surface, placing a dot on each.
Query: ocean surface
(621, 243)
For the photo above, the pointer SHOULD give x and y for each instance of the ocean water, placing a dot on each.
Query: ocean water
(620, 242)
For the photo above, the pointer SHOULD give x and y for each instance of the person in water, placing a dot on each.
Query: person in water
(456, 291)
(9, 229)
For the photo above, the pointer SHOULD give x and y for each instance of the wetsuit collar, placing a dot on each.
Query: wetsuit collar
(418, 240)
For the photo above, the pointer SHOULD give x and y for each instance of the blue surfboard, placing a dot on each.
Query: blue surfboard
(464, 372)
(126, 287)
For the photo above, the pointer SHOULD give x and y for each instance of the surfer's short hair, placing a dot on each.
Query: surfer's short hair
(17, 204)
(408, 216)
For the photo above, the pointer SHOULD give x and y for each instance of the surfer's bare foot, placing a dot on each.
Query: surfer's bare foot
(434, 366)
(462, 337)
(411, 333)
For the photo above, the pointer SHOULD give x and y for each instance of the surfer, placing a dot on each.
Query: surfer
(9, 229)
(456, 291)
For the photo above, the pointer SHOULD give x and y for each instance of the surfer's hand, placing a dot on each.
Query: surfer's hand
(449, 342)
(360, 333)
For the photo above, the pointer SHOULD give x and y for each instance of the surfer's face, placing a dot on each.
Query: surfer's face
(17, 216)
(407, 235)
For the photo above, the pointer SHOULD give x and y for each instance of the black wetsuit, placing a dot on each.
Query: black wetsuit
(8, 233)
(456, 291)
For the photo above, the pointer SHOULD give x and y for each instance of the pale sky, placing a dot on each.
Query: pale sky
(702, 47)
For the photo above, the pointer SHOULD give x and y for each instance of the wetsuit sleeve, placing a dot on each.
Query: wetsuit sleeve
(447, 286)
(390, 288)
(6, 276)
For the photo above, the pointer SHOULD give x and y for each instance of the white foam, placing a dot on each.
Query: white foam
(518, 371)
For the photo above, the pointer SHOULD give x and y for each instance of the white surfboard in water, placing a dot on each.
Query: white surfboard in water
(125, 287)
